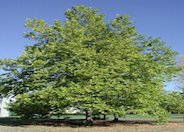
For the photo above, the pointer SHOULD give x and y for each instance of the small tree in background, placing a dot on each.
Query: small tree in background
(173, 102)
(181, 75)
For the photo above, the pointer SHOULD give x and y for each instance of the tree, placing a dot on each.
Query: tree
(181, 75)
(92, 65)
(173, 102)
(180, 78)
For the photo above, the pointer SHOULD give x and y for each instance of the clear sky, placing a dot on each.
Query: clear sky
(157, 18)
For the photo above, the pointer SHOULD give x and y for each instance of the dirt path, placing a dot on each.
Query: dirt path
(170, 127)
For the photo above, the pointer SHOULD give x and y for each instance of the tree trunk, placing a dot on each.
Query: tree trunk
(86, 114)
(116, 117)
(104, 117)
(89, 119)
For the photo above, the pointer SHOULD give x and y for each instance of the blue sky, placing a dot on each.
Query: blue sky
(157, 18)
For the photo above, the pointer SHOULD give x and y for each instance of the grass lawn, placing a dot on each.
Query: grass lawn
(173, 117)
(131, 123)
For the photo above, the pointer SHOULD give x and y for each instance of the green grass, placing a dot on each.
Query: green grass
(69, 116)
(173, 117)
(179, 117)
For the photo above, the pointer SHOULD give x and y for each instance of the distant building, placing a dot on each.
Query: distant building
(3, 104)
(73, 110)
(5, 113)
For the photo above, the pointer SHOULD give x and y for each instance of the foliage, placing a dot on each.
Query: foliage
(173, 102)
(89, 64)
(180, 78)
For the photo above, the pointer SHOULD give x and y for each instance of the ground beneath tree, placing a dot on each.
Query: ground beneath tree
(99, 126)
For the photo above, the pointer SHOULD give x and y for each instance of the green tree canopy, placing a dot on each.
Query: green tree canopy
(92, 65)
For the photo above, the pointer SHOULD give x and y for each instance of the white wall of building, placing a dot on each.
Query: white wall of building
(3, 104)
(72, 110)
